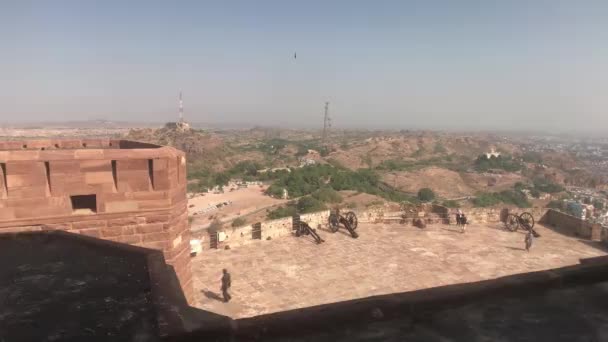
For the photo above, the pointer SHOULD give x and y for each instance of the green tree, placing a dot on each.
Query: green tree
(238, 222)
(451, 204)
(597, 204)
(439, 148)
(535, 193)
(327, 195)
(215, 226)
(426, 195)
(308, 204)
(221, 179)
(545, 185)
(555, 204)
(288, 210)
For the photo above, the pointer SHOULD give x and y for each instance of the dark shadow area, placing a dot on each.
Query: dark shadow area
(569, 225)
(129, 144)
(341, 230)
(66, 287)
(562, 304)
(55, 287)
(454, 229)
(516, 248)
(602, 246)
(58, 286)
(212, 295)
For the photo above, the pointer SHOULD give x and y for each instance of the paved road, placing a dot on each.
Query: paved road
(290, 272)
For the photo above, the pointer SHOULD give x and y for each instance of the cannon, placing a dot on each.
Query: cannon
(349, 221)
(305, 229)
(525, 220)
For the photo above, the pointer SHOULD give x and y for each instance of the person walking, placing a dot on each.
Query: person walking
(226, 283)
(529, 239)
(461, 220)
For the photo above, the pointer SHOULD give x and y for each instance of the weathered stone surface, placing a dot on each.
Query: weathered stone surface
(290, 273)
(129, 205)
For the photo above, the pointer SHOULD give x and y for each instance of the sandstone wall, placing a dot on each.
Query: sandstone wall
(135, 195)
(277, 228)
(317, 219)
(272, 229)
(573, 225)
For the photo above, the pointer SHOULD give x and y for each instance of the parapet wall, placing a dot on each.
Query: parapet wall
(574, 225)
(234, 237)
(116, 190)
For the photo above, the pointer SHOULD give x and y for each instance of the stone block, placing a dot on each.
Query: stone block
(99, 177)
(158, 245)
(57, 226)
(94, 232)
(88, 154)
(157, 218)
(122, 221)
(28, 192)
(95, 166)
(20, 229)
(154, 204)
(121, 206)
(130, 239)
(62, 167)
(149, 228)
(25, 180)
(153, 237)
(128, 230)
(111, 231)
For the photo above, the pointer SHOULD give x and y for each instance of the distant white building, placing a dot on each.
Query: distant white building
(307, 161)
(492, 153)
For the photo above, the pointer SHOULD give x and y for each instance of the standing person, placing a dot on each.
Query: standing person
(461, 220)
(226, 283)
(529, 239)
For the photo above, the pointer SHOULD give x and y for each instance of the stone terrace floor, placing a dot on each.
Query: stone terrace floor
(290, 272)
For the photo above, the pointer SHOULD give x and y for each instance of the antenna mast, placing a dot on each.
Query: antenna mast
(326, 125)
(181, 107)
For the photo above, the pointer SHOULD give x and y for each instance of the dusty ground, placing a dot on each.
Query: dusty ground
(449, 184)
(504, 181)
(291, 272)
(354, 199)
(445, 183)
(244, 201)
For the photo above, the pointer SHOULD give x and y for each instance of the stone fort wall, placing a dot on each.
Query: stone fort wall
(117, 190)
(237, 236)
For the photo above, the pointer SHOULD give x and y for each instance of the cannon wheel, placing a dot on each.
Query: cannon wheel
(526, 220)
(512, 222)
(333, 222)
(352, 219)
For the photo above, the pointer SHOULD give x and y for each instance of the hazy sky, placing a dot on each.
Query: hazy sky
(396, 64)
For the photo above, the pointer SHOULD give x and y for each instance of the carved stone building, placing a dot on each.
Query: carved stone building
(117, 190)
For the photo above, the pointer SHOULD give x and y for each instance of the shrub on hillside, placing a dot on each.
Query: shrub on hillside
(532, 157)
(516, 198)
(288, 210)
(215, 226)
(483, 163)
(426, 195)
(545, 185)
(439, 148)
(308, 204)
(597, 204)
(327, 195)
(535, 193)
(238, 222)
(451, 204)
(555, 204)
